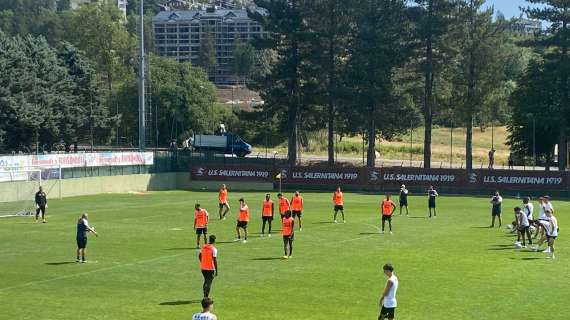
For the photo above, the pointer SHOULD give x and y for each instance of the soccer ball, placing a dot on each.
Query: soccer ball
(510, 227)
(518, 245)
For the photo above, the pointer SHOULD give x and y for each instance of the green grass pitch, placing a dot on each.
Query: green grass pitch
(143, 265)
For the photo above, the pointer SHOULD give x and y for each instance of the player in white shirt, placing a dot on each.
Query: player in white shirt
(523, 227)
(388, 300)
(206, 314)
(528, 208)
(550, 228)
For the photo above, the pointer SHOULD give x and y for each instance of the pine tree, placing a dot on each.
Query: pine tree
(282, 88)
(557, 45)
(382, 43)
(433, 19)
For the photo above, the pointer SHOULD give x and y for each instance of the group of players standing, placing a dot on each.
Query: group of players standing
(546, 226)
(288, 211)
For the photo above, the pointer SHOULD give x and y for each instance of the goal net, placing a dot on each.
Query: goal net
(19, 200)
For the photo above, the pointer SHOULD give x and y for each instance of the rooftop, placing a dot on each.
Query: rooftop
(188, 15)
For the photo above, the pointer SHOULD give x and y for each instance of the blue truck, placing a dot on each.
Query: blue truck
(228, 143)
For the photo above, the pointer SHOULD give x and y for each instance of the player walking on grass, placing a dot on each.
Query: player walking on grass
(83, 228)
(242, 221)
(388, 300)
(297, 208)
(432, 195)
(41, 204)
(496, 201)
(206, 314)
(223, 202)
(201, 218)
(403, 198)
(208, 257)
(338, 200)
(284, 205)
(388, 208)
(543, 206)
(288, 231)
(267, 213)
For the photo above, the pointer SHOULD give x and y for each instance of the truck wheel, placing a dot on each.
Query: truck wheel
(241, 154)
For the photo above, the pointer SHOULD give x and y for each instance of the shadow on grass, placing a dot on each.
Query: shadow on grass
(526, 258)
(323, 222)
(266, 259)
(485, 227)
(367, 233)
(501, 248)
(417, 217)
(179, 302)
(60, 263)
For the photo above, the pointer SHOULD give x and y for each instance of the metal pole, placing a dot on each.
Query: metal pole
(411, 141)
(451, 147)
(142, 124)
(492, 135)
(534, 142)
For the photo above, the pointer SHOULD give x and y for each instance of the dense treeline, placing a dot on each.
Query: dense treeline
(379, 67)
(68, 78)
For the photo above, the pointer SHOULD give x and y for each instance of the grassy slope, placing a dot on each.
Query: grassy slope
(449, 268)
(399, 149)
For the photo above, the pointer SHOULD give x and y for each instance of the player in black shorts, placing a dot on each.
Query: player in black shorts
(83, 229)
(403, 199)
(41, 204)
(432, 195)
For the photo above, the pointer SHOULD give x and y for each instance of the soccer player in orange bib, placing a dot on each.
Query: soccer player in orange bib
(388, 208)
(288, 231)
(284, 205)
(200, 223)
(242, 220)
(267, 211)
(223, 201)
(209, 264)
(297, 208)
(338, 200)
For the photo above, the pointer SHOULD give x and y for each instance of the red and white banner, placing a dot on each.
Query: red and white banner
(74, 160)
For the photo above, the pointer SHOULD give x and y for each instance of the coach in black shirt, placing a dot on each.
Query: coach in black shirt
(41, 204)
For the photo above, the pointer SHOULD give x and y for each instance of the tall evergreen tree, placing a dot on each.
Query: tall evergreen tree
(382, 42)
(479, 48)
(434, 19)
(330, 24)
(282, 87)
(557, 44)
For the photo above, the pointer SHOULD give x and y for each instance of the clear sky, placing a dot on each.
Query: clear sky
(510, 8)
